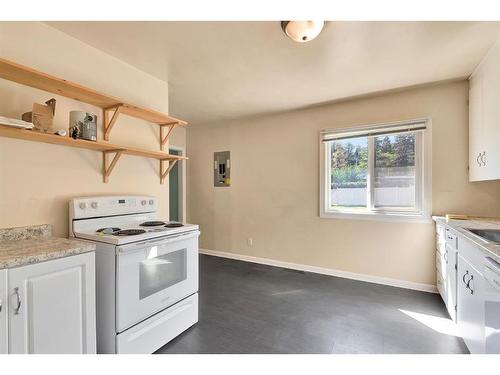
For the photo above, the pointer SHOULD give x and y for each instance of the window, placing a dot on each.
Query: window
(376, 171)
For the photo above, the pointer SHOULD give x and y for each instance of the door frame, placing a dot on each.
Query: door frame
(182, 184)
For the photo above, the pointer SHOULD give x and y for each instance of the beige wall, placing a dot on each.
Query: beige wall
(275, 186)
(37, 180)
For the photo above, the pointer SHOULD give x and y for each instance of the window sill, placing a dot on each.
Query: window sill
(377, 216)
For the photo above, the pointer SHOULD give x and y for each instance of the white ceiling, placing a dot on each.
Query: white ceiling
(220, 70)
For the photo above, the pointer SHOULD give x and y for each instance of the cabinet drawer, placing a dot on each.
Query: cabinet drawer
(156, 331)
(451, 238)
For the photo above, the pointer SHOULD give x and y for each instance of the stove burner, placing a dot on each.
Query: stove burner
(174, 225)
(129, 232)
(108, 230)
(152, 223)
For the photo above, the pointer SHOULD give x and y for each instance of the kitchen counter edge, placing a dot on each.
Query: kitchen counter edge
(490, 249)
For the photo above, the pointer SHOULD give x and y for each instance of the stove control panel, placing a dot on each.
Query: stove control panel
(111, 205)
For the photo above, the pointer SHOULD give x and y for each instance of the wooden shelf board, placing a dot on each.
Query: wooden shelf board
(30, 135)
(34, 78)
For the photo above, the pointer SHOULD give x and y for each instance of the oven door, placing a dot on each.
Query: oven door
(153, 275)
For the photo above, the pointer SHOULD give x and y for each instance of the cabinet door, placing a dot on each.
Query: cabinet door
(3, 312)
(476, 169)
(451, 281)
(490, 137)
(470, 311)
(484, 119)
(52, 306)
(441, 273)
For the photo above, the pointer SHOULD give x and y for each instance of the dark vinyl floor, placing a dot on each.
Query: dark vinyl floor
(252, 308)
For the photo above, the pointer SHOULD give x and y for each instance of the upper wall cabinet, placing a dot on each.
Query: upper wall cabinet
(484, 118)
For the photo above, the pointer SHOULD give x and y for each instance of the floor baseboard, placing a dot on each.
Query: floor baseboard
(324, 271)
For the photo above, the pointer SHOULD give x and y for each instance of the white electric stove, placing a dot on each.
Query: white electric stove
(146, 271)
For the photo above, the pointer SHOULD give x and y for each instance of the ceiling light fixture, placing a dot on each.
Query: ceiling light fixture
(302, 31)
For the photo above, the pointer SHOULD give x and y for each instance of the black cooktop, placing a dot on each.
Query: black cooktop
(152, 223)
(129, 232)
(174, 225)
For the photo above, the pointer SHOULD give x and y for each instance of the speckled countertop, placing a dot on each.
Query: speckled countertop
(490, 249)
(34, 244)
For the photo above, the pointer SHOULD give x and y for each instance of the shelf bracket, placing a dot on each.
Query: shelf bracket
(107, 169)
(165, 131)
(109, 123)
(164, 175)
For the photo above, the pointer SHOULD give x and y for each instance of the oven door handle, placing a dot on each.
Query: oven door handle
(158, 241)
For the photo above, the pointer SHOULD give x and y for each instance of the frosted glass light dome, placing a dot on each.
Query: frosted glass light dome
(302, 31)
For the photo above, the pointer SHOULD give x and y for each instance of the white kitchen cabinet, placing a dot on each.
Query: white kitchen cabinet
(446, 272)
(470, 311)
(440, 261)
(3, 312)
(476, 168)
(484, 118)
(440, 272)
(52, 306)
(451, 281)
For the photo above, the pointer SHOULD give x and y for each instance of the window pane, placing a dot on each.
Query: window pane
(395, 171)
(349, 167)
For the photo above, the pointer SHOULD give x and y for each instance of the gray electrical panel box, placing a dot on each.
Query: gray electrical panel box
(222, 168)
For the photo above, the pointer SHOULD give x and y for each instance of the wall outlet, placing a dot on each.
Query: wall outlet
(250, 241)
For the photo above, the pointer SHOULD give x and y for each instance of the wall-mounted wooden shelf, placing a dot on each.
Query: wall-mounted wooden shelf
(111, 109)
(105, 147)
(34, 78)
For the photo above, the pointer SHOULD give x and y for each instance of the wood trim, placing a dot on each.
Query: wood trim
(34, 78)
(104, 147)
(449, 217)
(107, 169)
(30, 135)
(163, 136)
(163, 175)
(31, 77)
(109, 125)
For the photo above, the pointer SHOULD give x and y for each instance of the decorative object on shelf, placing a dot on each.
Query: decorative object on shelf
(74, 132)
(83, 125)
(61, 132)
(41, 116)
(15, 123)
(302, 31)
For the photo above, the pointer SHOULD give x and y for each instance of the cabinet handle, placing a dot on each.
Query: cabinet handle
(477, 159)
(483, 160)
(445, 256)
(0, 305)
(463, 278)
(468, 284)
(16, 310)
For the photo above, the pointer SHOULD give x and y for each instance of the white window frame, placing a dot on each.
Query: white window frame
(423, 168)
